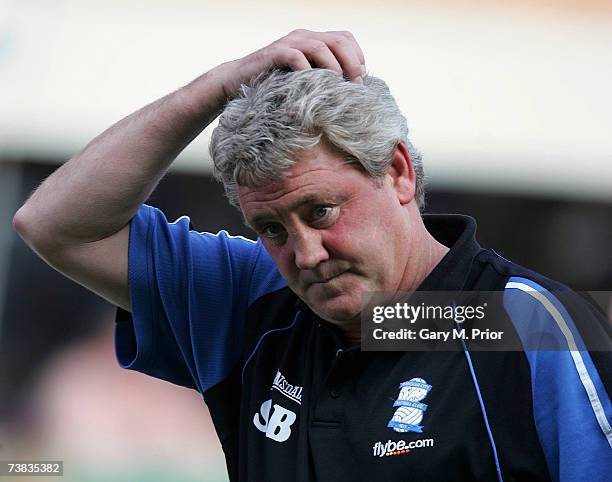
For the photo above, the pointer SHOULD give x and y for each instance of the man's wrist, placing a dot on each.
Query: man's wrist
(204, 98)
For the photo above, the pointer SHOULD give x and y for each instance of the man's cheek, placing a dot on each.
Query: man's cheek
(344, 237)
(291, 273)
(285, 265)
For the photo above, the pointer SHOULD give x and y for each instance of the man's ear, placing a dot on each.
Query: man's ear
(402, 174)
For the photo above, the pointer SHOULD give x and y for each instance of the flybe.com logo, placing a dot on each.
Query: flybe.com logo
(382, 449)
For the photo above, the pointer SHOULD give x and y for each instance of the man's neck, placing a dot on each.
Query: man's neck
(430, 256)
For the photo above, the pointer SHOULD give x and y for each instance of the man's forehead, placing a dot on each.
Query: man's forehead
(262, 202)
(319, 175)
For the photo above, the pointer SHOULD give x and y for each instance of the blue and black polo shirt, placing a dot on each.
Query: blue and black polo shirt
(291, 401)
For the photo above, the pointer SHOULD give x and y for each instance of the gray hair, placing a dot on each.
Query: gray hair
(282, 112)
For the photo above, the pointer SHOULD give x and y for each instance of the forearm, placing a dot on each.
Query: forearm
(97, 192)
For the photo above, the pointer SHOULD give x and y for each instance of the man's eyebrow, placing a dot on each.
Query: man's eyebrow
(310, 199)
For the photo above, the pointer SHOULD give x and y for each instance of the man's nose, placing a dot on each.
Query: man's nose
(308, 249)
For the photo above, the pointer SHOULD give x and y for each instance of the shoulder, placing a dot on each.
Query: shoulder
(504, 270)
(531, 299)
(567, 342)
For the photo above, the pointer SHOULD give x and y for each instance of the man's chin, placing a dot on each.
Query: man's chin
(336, 310)
(336, 301)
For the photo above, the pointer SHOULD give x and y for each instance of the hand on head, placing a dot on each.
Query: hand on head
(299, 50)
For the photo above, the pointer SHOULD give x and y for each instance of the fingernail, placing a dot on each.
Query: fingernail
(363, 70)
(358, 80)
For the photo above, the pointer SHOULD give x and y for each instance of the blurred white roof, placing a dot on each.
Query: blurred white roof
(517, 99)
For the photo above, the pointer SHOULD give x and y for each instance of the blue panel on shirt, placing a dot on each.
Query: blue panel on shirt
(575, 444)
(190, 293)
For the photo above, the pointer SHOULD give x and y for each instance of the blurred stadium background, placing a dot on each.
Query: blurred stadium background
(510, 103)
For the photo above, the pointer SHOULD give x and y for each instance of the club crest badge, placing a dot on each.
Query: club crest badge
(410, 409)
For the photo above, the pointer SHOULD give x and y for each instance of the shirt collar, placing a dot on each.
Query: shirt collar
(458, 233)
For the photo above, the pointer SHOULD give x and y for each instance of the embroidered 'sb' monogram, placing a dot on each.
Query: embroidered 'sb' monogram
(275, 421)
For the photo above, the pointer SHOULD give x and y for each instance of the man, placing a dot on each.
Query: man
(268, 331)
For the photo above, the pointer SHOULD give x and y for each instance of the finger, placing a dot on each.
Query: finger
(355, 44)
(292, 58)
(319, 53)
(348, 54)
(301, 33)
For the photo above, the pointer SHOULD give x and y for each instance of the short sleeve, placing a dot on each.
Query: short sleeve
(190, 293)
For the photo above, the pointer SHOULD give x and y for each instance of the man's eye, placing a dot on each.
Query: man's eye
(321, 212)
(324, 216)
(272, 231)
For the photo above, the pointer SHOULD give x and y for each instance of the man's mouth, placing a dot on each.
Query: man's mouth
(324, 273)
(327, 279)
